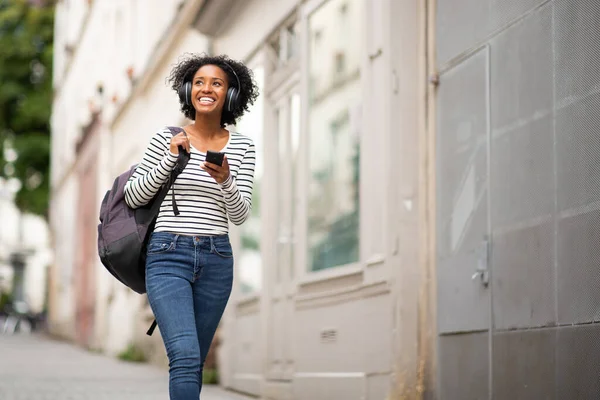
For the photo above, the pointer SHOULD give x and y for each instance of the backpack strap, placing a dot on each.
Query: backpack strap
(182, 161)
(152, 328)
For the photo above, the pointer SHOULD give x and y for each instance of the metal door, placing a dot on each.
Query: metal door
(543, 97)
(463, 229)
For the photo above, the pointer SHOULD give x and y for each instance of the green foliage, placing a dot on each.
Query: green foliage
(5, 299)
(250, 242)
(210, 376)
(26, 35)
(132, 353)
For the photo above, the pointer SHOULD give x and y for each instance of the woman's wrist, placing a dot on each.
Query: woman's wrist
(226, 184)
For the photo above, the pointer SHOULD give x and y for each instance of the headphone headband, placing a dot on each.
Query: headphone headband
(239, 86)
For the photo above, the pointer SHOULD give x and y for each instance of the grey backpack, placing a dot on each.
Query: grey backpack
(123, 232)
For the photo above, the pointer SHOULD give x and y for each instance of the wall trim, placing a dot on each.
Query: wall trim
(249, 306)
(345, 295)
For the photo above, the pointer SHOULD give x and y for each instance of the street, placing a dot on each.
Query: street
(33, 367)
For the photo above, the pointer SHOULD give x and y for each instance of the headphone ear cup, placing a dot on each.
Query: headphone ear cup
(232, 99)
(185, 93)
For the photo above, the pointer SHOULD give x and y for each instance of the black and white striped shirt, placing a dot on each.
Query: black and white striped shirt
(204, 205)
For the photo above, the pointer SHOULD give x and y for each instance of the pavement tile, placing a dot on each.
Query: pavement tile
(34, 367)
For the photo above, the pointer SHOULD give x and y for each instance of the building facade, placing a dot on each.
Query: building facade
(329, 270)
(108, 56)
(424, 210)
(332, 241)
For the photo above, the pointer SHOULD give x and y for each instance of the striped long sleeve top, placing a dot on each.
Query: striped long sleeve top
(205, 206)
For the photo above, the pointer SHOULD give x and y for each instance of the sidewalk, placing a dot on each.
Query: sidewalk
(33, 367)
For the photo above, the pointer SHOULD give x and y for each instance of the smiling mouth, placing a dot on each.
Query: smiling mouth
(206, 100)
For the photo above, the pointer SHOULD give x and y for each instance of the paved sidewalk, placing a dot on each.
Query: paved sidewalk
(33, 367)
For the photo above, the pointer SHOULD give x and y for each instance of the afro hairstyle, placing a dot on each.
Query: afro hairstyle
(190, 63)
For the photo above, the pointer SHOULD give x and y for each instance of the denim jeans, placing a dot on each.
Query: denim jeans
(188, 280)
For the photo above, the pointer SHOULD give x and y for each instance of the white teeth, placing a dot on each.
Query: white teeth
(206, 99)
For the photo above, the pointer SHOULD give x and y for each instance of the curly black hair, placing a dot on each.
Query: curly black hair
(189, 64)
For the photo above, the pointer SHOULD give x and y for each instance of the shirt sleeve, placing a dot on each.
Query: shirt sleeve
(237, 191)
(154, 170)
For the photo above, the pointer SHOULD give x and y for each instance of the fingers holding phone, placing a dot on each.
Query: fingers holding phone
(215, 157)
(216, 165)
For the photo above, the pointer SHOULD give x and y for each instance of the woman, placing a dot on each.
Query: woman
(189, 267)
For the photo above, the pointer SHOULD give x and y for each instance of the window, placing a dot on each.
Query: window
(284, 43)
(288, 137)
(334, 107)
(249, 259)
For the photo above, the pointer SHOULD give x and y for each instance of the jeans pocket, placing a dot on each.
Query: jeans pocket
(158, 247)
(222, 249)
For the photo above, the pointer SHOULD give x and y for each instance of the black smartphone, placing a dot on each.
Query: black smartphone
(215, 157)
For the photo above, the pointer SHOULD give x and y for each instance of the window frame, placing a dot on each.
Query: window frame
(304, 275)
(256, 60)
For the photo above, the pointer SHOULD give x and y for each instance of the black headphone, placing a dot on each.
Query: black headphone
(232, 98)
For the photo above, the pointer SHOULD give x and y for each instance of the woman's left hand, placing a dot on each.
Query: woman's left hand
(219, 173)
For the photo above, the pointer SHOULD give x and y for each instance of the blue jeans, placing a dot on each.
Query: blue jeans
(188, 280)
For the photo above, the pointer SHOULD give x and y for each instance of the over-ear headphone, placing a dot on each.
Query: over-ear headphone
(232, 98)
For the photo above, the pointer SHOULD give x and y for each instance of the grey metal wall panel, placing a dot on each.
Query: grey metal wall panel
(463, 367)
(464, 24)
(523, 277)
(462, 203)
(522, 174)
(578, 153)
(522, 74)
(457, 30)
(503, 12)
(578, 268)
(525, 365)
(577, 47)
(577, 358)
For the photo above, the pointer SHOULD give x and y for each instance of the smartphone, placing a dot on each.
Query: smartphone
(215, 157)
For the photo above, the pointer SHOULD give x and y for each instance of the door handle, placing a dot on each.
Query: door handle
(483, 259)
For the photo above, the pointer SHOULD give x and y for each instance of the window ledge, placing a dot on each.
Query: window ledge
(342, 295)
(376, 259)
(330, 274)
(248, 298)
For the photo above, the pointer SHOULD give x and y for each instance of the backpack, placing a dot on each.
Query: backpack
(123, 232)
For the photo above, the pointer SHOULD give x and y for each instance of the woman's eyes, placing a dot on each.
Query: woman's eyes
(216, 83)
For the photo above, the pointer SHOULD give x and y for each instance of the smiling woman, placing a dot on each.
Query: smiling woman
(236, 76)
(189, 267)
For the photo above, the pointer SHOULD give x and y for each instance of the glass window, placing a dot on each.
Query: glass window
(284, 43)
(249, 260)
(288, 135)
(334, 107)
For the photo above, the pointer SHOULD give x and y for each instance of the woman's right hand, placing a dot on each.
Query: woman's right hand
(179, 140)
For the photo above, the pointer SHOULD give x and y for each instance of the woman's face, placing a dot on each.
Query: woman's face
(209, 89)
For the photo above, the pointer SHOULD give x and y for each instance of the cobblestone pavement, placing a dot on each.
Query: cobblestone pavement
(33, 367)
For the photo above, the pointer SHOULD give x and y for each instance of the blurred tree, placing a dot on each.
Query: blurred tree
(26, 34)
